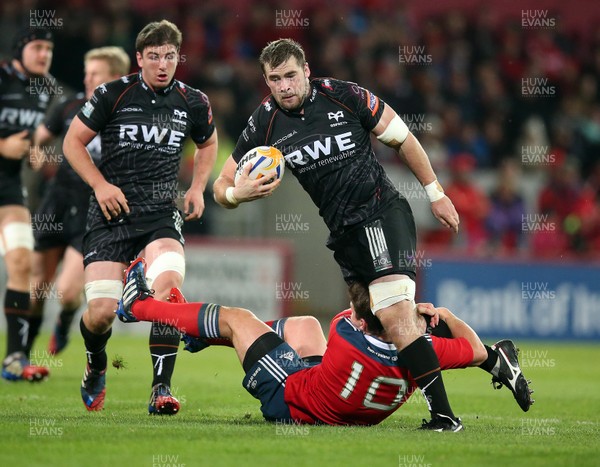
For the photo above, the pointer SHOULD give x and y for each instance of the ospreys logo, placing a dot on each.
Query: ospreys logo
(335, 115)
(179, 116)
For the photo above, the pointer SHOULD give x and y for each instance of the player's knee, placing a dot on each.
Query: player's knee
(165, 272)
(400, 323)
(18, 264)
(100, 315)
(305, 335)
(236, 313)
(306, 325)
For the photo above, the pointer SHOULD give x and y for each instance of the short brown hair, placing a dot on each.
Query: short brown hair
(117, 59)
(158, 33)
(279, 51)
(361, 301)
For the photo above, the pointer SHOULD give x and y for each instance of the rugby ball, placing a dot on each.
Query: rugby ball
(265, 160)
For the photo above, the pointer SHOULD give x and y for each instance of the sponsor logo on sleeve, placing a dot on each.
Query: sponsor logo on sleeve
(372, 102)
(87, 109)
(251, 125)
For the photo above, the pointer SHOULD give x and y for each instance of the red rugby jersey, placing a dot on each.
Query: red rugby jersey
(360, 381)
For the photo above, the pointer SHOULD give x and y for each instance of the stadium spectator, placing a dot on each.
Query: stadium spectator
(143, 119)
(357, 377)
(488, 45)
(557, 228)
(27, 80)
(471, 203)
(329, 123)
(65, 201)
(505, 220)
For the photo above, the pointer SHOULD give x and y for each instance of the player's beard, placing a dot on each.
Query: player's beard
(303, 97)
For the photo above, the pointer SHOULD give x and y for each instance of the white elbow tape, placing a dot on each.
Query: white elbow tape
(384, 294)
(16, 235)
(434, 191)
(230, 198)
(168, 261)
(395, 131)
(103, 289)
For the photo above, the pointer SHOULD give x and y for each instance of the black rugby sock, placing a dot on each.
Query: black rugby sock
(95, 345)
(65, 319)
(35, 321)
(491, 360)
(423, 364)
(16, 309)
(164, 343)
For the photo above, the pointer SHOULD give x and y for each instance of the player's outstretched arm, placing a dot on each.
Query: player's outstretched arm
(110, 197)
(229, 195)
(457, 327)
(204, 161)
(392, 131)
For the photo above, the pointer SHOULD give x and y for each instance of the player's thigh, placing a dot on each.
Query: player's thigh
(44, 265)
(240, 325)
(70, 282)
(13, 213)
(268, 369)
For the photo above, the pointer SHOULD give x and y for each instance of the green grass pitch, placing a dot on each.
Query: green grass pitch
(220, 424)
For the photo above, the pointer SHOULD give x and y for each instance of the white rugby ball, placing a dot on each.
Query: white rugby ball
(265, 160)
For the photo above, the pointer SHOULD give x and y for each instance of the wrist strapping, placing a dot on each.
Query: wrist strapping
(230, 197)
(434, 191)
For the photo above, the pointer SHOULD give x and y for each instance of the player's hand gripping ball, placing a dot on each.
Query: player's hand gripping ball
(265, 160)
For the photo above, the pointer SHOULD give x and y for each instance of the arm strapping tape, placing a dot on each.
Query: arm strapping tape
(395, 131)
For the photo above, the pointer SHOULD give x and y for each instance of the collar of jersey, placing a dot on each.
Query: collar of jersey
(17, 73)
(372, 339)
(161, 92)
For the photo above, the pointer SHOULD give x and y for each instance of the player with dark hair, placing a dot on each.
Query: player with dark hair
(23, 105)
(323, 127)
(65, 201)
(144, 120)
(355, 378)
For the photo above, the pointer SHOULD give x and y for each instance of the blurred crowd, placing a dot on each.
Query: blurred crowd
(482, 93)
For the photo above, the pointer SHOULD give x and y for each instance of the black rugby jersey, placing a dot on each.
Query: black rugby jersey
(142, 136)
(23, 105)
(57, 122)
(328, 149)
